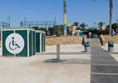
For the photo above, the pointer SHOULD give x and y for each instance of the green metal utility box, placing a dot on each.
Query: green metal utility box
(18, 42)
(40, 41)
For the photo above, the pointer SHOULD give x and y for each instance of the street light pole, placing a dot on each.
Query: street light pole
(65, 20)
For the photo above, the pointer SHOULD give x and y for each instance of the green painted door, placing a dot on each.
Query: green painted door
(5, 45)
(43, 42)
(34, 43)
(24, 52)
(30, 43)
(38, 42)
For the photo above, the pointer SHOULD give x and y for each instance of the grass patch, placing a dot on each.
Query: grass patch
(114, 38)
(63, 40)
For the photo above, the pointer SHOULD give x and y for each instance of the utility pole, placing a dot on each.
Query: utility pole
(54, 25)
(25, 19)
(65, 20)
(117, 21)
(55, 21)
(8, 21)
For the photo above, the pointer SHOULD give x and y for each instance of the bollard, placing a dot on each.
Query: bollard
(58, 51)
(86, 47)
(110, 46)
(110, 49)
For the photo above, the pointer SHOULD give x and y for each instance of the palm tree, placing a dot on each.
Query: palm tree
(100, 25)
(76, 24)
(110, 15)
(83, 26)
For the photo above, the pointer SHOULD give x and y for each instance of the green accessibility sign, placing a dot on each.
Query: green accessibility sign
(14, 43)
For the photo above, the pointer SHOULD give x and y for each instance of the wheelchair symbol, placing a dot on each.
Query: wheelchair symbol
(13, 44)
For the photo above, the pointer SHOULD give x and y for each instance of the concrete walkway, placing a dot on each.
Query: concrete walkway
(75, 68)
(36, 69)
(104, 68)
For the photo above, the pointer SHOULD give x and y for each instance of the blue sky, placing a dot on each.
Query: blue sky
(87, 11)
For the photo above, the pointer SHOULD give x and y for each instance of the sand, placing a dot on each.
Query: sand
(35, 69)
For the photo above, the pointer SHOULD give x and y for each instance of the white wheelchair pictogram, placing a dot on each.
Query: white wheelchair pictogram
(14, 43)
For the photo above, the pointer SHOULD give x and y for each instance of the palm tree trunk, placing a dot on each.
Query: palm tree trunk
(110, 15)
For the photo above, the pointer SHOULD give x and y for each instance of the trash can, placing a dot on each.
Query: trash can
(81, 33)
(18, 42)
(110, 46)
(86, 46)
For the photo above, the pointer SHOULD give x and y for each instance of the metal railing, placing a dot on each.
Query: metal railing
(37, 23)
(4, 24)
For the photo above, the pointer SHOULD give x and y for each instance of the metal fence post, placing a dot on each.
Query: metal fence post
(58, 51)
